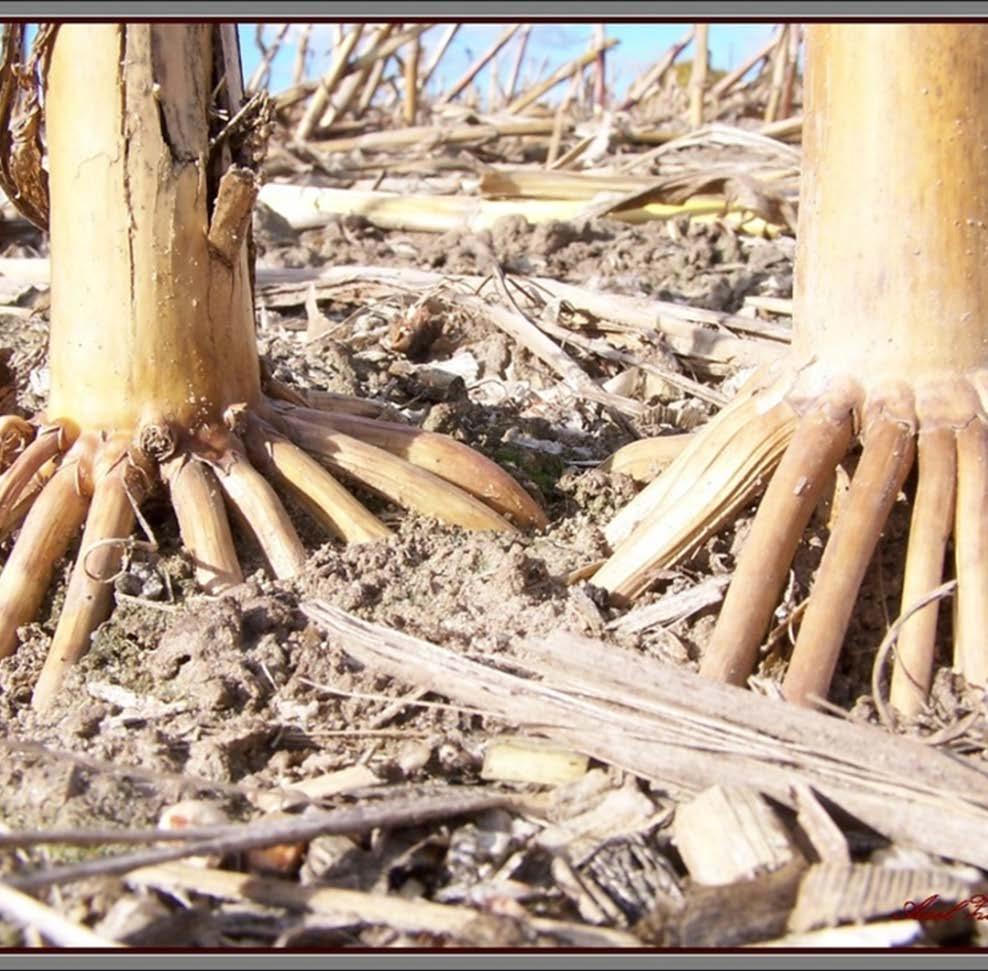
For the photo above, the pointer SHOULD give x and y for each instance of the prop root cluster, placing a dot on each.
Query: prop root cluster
(63, 480)
(788, 433)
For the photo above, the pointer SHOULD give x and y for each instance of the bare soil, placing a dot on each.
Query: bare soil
(183, 695)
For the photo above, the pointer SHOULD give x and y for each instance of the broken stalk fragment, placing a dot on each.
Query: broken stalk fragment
(154, 368)
(891, 311)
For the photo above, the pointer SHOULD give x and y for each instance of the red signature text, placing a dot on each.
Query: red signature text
(933, 908)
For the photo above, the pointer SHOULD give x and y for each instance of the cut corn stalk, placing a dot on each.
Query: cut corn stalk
(786, 128)
(431, 137)
(561, 74)
(320, 100)
(653, 76)
(355, 82)
(779, 63)
(411, 82)
(154, 366)
(726, 83)
(372, 82)
(698, 75)
(478, 65)
(518, 759)
(891, 304)
(437, 56)
(343, 65)
(519, 57)
(703, 336)
(509, 183)
(307, 207)
(529, 336)
(268, 53)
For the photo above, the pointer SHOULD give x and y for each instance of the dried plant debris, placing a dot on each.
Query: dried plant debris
(441, 739)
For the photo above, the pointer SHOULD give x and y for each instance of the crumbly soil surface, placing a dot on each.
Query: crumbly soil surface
(183, 695)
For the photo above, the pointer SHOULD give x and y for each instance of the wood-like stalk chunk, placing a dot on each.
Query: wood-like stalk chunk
(262, 512)
(56, 515)
(889, 448)
(203, 523)
(88, 598)
(932, 522)
(727, 474)
(395, 479)
(442, 456)
(311, 485)
(971, 553)
(795, 489)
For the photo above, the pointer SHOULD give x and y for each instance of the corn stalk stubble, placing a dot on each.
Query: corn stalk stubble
(890, 314)
(154, 366)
